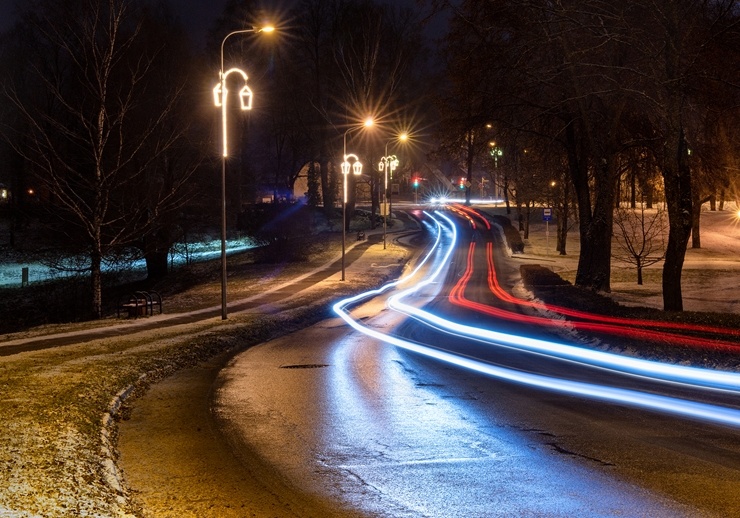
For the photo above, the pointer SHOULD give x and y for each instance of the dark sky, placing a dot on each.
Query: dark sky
(197, 15)
(6, 14)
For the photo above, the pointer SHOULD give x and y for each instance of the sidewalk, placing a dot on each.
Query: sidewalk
(359, 256)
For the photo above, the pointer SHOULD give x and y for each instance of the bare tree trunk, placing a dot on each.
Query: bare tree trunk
(506, 194)
(562, 223)
(96, 280)
(469, 165)
(594, 260)
(695, 220)
(678, 199)
(374, 198)
(327, 190)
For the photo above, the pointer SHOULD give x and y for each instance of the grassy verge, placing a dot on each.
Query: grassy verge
(52, 460)
(552, 289)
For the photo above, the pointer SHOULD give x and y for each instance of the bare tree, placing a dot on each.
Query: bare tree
(641, 236)
(680, 41)
(95, 125)
(603, 78)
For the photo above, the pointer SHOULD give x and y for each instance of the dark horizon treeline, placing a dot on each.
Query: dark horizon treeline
(111, 138)
(585, 96)
(108, 114)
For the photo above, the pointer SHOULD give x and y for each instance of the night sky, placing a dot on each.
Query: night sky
(197, 15)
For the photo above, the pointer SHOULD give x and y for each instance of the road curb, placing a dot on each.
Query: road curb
(111, 474)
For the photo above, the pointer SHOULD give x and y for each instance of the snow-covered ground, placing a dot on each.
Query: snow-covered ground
(711, 274)
(711, 280)
(11, 271)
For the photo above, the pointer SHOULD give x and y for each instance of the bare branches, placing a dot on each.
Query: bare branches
(97, 122)
(641, 237)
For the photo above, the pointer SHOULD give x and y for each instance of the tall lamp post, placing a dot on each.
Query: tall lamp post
(386, 163)
(220, 94)
(356, 170)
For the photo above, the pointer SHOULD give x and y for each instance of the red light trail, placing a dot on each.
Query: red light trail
(632, 328)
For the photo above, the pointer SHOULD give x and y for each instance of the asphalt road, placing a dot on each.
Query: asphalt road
(331, 422)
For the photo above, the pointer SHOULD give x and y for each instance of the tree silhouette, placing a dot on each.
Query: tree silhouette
(96, 125)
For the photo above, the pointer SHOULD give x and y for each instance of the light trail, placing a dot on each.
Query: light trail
(630, 322)
(704, 378)
(457, 297)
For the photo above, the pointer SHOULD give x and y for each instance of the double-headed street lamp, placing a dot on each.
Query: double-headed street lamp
(389, 162)
(220, 95)
(356, 168)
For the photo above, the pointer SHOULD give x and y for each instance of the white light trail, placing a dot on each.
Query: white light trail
(658, 371)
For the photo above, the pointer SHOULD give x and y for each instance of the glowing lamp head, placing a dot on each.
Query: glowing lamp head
(369, 122)
(245, 96)
(217, 95)
(267, 28)
(357, 168)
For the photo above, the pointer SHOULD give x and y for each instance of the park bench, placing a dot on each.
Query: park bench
(140, 303)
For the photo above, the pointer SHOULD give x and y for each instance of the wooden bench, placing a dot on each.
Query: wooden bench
(140, 304)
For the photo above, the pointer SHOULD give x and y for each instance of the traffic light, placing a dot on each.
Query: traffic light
(416, 182)
(462, 183)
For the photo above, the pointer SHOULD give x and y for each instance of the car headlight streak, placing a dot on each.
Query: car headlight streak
(650, 369)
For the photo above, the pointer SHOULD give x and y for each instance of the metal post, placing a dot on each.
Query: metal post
(344, 199)
(385, 193)
(224, 154)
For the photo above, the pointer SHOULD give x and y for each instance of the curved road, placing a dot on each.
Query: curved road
(332, 422)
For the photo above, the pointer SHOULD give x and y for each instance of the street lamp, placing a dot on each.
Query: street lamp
(220, 94)
(389, 162)
(356, 170)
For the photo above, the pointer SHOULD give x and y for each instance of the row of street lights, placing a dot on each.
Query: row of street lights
(388, 163)
(350, 161)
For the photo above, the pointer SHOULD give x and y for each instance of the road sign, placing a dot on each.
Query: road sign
(547, 214)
